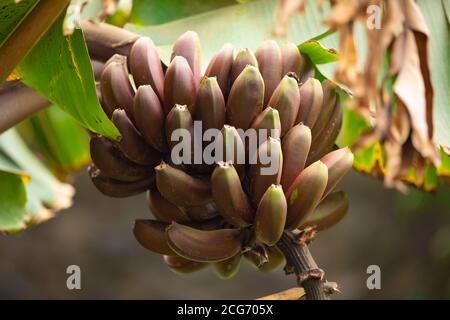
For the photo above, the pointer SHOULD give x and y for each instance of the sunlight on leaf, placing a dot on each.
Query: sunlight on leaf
(59, 68)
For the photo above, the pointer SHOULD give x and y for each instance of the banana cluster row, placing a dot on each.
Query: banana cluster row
(216, 213)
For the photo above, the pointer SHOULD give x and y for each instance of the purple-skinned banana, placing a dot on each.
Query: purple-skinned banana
(268, 120)
(246, 98)
(305, 193)
(265, 168)
(178, 118)
(244, 57)
(151, 234)
(228, 268)
(295, 145)
(116, 88)
(286, 99)
(146, 67)
(150, 117)
(118, 189)
(204, 246)
(311, 100)
(203, 212)
(338, 162)
(329, 212)
(270, 215)
(268, 56)
(220, 67)
(229, 196)
(324, 142)
(183, 266)
(210, 104)
(163, 210)
(180, 188)
(327, 109)
(291, 60)
(113, 163)
(232, 148)
(179, 85)
(188, 46)
(131, 143)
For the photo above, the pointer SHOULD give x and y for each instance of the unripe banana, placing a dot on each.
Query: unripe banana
(151, 234)
(311, 100)
(118, 189)
(291, 59)
(229, 196)
(265, 169)
(164, 210)
(324, 142)
(220, 67)
(271, 215)
(204, 246)
(188, 46)
(295, 145)
(146, 67)
(227, 269)
(150, 117)
(329, 212)
(210, 104)
(178, 118)
(117, 91)
(244, 57)
(268, 120)
(286, 99)
(246, 98)
(131, 143)
(328, 106)
(182, 266)
(268, 56)
(305, 193)
(180, 188)
(113, 164)
(202, 213)
(179, 85)
(338, 162)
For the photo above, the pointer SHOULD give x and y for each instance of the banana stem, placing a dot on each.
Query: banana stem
(18, 102)
(104, 40)
(301, 262)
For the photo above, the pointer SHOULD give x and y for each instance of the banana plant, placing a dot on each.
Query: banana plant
(153, 71)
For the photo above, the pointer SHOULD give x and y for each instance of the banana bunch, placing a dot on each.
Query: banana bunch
(215, 214)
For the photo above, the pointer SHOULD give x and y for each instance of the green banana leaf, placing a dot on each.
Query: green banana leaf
(12, 15)
(59, 68)
(152, 12)
(12, 201)
(22, 171)
(439, 25)
(59, 139)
